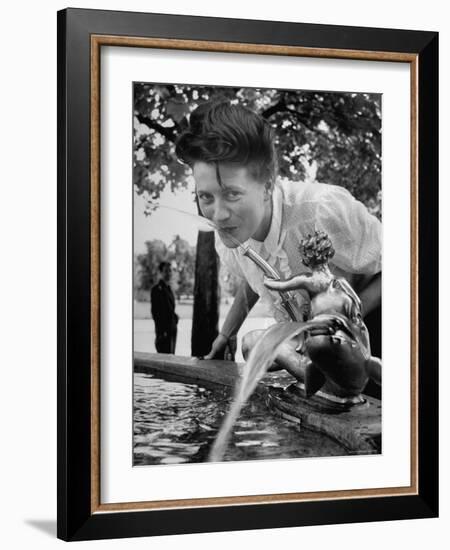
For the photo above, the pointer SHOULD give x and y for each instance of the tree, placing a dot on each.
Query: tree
(148, 264)
(205, 317)
(183, 254)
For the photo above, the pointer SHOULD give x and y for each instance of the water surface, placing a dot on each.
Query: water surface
(177, 423)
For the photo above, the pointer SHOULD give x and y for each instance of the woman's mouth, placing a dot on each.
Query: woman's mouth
(230, 235)
(227, 230)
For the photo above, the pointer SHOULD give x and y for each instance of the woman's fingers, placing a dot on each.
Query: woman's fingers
(220, 349)
(215, 350)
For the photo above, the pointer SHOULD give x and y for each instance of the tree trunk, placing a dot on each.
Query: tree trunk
(205, 321)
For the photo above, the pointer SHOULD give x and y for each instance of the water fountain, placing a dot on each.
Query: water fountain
(333, 349)
(333, 355)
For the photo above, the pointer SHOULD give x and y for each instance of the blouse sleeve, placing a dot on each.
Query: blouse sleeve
(355, 233)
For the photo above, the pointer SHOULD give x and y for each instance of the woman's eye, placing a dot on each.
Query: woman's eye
(232, 195)
(204, 198)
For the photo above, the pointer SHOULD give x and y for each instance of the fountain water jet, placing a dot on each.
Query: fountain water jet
(259, 360)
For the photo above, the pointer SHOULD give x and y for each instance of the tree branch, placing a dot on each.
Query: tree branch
(281, 107)
(168, 133)
(278, 107)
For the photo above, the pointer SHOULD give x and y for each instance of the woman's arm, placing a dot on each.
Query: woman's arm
(370, 294)
(243, 302)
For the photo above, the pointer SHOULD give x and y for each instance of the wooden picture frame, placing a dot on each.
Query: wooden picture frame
(81, 35)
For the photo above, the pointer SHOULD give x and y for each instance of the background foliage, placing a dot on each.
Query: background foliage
(325, 136)
(182, 256)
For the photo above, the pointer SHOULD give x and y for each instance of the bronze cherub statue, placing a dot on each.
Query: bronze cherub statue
(337, 345)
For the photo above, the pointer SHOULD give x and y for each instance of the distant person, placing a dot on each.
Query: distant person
(163, 311)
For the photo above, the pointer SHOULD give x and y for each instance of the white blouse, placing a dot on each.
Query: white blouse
(298, 210)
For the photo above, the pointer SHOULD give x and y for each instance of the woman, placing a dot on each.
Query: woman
(233, 159)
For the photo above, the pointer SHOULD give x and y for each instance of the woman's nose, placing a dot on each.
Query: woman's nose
(221, 213)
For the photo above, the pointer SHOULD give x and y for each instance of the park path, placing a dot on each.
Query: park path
(144, 328)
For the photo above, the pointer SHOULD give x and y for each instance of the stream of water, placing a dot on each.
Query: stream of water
(259, 360)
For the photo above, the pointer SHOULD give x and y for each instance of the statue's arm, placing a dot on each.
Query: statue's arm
(305, 281)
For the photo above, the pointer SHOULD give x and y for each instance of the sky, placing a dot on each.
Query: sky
(163, 223)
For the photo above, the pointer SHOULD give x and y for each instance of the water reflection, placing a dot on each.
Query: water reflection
(176, 423)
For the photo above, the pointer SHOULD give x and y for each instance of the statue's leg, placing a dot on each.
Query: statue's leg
(287, 356)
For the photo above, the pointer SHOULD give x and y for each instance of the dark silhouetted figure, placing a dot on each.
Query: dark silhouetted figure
(163, 311)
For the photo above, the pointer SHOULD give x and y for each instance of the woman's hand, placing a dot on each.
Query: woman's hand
(221, 349)
(224, 346)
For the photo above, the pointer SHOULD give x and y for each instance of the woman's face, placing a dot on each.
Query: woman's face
(240, 208)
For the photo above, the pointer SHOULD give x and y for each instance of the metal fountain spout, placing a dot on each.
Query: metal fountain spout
(287, 298)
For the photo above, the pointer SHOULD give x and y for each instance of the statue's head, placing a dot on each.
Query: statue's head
(316, 250)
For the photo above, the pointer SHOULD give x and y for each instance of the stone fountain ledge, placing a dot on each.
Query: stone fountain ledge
(189, 370)
(357, 429)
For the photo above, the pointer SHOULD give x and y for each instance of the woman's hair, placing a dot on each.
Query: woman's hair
(223, 132)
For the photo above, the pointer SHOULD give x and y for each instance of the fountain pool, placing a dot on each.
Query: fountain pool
(177, 422)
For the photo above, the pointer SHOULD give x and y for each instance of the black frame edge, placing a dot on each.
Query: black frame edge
(75, 521)
(74, 445)
(61, 291)
(428, 121)
(251, 517)
(158, 25)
